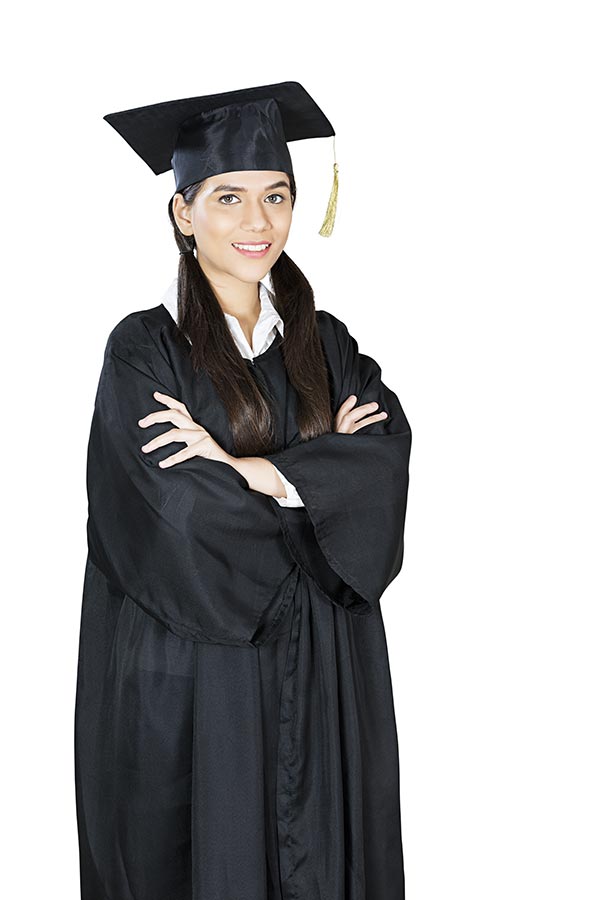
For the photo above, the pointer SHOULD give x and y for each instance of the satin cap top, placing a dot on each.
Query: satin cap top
(199, 137)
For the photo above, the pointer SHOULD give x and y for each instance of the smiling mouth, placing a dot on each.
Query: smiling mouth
(255, 248)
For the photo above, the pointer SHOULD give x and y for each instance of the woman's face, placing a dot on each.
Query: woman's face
(233, 208)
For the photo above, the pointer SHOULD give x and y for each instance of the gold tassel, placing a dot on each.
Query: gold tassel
(327, 226)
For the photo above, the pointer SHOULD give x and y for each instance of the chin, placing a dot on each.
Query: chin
(253, 269)
(254, 275)
(250, 274)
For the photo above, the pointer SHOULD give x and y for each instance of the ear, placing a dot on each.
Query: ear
(182, 214)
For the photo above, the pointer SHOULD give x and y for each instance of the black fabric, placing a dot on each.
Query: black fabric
(234, 720)
(190, 543)
(354, 486)
(227, 132)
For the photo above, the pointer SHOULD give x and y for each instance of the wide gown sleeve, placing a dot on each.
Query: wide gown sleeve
(354, 486)
(190, 543)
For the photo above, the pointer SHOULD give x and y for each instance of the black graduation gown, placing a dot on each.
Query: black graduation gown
(235, 735)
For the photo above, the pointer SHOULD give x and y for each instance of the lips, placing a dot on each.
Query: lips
(253, 254)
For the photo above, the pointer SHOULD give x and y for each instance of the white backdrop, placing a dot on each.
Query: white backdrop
(465, 260)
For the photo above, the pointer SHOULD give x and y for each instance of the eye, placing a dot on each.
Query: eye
(281, 198)
(225, 196)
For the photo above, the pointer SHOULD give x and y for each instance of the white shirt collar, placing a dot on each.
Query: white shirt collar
(268, 322)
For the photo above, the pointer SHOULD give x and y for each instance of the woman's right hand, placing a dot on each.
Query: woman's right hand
(346, 418)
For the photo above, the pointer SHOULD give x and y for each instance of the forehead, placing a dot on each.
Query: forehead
(251, 179)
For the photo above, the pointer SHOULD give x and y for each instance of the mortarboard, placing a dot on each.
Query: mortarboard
(246, 129)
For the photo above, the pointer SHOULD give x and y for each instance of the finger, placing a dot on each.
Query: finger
(347, 404)
(165, 415)
(376, 418)
(360, 411)
(182, 455)
(344, 408)
(171, 401)
(168, 437)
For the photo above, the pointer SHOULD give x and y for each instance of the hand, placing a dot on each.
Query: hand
(198, 440)
(346, 418)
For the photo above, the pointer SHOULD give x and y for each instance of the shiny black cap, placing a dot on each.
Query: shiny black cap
(202, 136)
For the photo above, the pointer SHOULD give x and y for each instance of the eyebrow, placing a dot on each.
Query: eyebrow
(233, 187)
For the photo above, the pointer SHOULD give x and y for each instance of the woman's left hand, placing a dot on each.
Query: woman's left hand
(198, 440)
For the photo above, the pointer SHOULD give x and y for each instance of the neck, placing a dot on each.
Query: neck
(236, 298)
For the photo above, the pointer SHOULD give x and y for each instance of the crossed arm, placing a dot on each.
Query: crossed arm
(260, 473)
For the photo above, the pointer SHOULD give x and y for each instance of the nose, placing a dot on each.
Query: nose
(256, 216)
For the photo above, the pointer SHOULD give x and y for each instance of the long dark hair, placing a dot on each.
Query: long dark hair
(213, 349)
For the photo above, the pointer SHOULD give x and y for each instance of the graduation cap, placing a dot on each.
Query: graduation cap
(228, 132)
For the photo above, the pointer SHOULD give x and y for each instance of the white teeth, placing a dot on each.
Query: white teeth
(255, 247)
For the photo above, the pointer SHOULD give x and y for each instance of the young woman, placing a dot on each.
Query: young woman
(235, 736)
